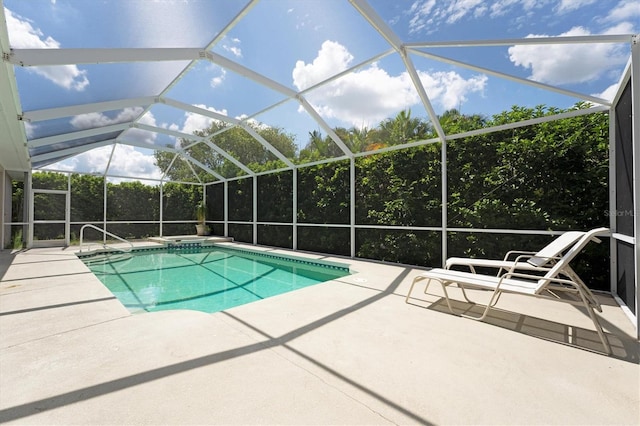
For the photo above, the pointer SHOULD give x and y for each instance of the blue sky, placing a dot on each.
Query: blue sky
(298, 44)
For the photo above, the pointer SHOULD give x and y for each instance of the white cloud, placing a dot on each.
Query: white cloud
(253, 122)
(97, 119)
(126, 161)
(420, 12)
(24, 36)
(621, 28)
(501, 7)
(219, 79)
(195, 121)
(332, 59)
(29, 129)
(232, 46)
(93, 161)
(625, 10)
(367, 96)
(450, 89)
(459, 8)
(569, 5)
(427, 15)
(568, 63)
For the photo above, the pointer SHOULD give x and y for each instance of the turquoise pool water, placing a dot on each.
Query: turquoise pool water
(206, 279)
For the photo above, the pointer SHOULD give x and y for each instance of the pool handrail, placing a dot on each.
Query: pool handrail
(106, 233)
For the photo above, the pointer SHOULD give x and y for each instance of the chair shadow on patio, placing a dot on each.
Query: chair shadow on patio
(623, 347)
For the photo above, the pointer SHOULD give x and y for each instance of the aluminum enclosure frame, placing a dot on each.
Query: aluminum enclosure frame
(15, 145)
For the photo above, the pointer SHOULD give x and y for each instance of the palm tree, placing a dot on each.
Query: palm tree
(404, 128)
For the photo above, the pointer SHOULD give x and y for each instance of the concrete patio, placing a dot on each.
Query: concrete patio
(348, 351)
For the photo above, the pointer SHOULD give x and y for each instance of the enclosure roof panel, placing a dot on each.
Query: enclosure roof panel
(282, 77)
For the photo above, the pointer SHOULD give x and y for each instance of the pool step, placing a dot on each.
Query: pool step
(179, 240)
(107, 258)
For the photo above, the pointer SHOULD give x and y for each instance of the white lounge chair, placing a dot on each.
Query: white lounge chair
(550, 280)
(529, 261)
(537, 259)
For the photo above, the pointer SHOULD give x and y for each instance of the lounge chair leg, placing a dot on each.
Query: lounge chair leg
(426, 287)
(444, 289)
(603, 337)
(446, 296)
(585, 290)
(487, 308)
(415, 280)
(464, 294)
(413, 283)
(596, 323)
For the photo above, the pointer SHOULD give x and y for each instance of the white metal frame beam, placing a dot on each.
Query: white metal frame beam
(377, 23)
(212, 43)
(202, 166)
(533, 83)
(396, 43)
(199, 139)
(229, 157)
(70, 111)
(50, 57)
(604, 38)
(197, 110)
(125, 140)
(332, 134)
(267, 145)
(71, 151)
(49, 140)
(250, 74)
(13, 154)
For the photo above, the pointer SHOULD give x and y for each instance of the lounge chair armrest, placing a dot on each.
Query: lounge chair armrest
(538, 278)
(523, 259)
(517, 252)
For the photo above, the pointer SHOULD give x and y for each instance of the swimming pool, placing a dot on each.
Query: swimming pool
(207, 279)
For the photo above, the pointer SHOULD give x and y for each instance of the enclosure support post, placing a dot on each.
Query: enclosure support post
(204, 201)
(67, 214)
(3, 201)
(352, 205)
(635, 136)
(226, 207)
(294, 218)
(255, 210)
(613, 263)
(28, 208)
(444, 200)
(104, 209)
(161, 210)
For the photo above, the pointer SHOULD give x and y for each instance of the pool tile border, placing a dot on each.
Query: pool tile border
(197, 246)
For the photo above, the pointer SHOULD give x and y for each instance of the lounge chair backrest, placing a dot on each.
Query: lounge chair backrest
(571, 254)
(555, 248)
